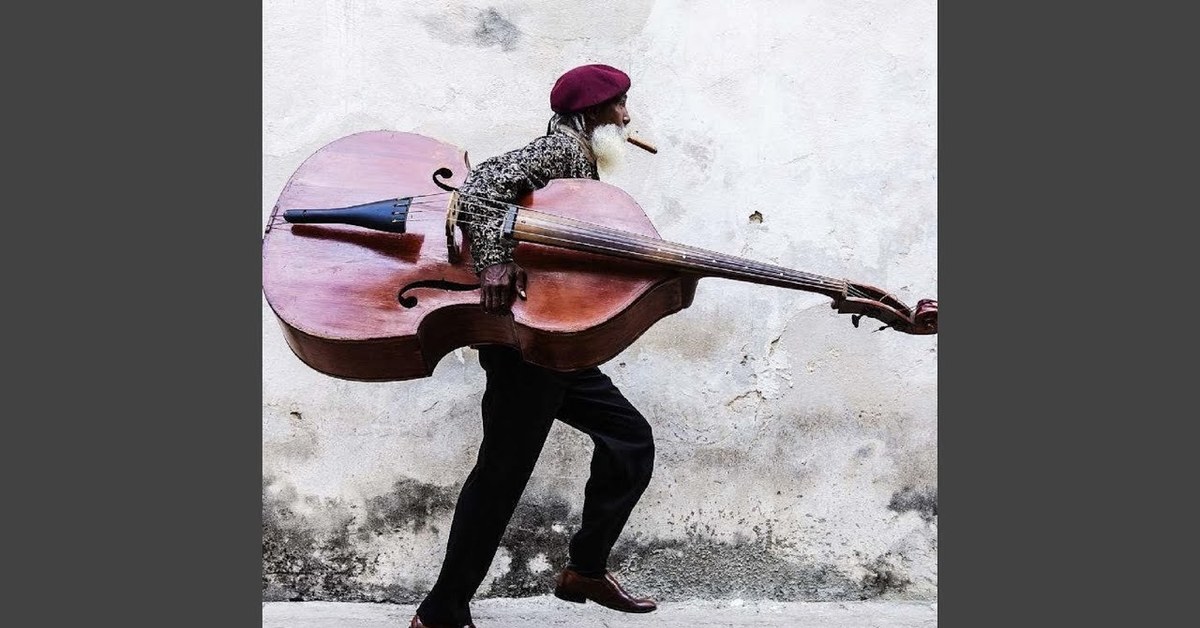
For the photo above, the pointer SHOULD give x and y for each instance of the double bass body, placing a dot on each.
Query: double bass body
(368, 305)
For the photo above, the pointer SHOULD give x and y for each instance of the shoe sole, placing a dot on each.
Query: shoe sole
(570, 597)
(580, 599)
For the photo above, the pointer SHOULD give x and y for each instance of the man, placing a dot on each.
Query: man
(521, 400)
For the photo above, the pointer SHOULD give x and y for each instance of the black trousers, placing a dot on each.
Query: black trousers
(519, 406)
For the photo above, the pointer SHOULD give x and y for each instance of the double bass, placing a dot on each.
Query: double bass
(369, 274)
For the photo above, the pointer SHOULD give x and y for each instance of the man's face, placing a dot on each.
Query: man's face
(613, 113)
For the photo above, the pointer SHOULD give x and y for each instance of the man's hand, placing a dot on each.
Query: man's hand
(496, 286)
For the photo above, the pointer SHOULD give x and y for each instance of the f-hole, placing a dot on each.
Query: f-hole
(409, 301)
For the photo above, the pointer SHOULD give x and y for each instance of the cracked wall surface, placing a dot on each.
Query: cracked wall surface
(796, 454)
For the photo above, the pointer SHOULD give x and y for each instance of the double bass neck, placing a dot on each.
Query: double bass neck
(527, 225)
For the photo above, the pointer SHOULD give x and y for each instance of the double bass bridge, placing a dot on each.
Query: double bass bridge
(453, 250)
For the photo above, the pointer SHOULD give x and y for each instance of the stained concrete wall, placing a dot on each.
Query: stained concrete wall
(797, 455)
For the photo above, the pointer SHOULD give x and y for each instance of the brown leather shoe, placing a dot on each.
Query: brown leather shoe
(417, 623)
(605, 591)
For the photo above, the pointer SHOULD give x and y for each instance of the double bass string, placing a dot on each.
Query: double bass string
(629, 242)
(696, 259)
(616, 241)
(620, 241)
(717, 260)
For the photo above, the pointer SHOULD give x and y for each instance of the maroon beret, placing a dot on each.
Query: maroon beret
(585, 86)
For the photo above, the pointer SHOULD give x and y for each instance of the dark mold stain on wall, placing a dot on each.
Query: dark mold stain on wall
(306, 561)
(305, 557)
(883, 577)
(492, 29)
(923, 501)
(410, 506)
(324, 555)
(531, 532)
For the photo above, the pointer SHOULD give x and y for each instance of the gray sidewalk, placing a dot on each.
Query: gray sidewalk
(550, 611)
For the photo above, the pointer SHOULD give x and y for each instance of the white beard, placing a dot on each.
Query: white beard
(610, 145)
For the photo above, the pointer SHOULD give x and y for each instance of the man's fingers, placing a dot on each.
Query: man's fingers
(500, 281)
(521, 278)
(494, 299)
(489, 299)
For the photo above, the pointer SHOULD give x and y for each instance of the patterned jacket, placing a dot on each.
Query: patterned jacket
(506, 178)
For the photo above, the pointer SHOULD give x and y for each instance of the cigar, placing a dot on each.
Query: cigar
(642, 145)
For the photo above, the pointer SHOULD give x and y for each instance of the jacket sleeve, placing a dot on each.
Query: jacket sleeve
(505, 179)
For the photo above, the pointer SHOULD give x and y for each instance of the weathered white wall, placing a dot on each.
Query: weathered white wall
(797, 455)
